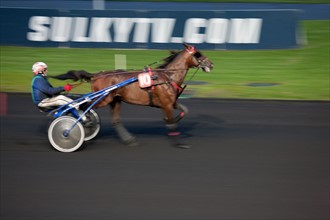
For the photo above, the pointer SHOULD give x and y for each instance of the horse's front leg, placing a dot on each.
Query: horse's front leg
(122, 132)
(172, 126)
(183, 111)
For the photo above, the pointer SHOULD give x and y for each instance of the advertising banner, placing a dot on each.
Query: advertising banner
(271, 29)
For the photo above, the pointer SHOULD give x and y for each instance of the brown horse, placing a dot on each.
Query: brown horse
(165, 88)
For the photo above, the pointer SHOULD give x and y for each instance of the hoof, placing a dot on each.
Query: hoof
(182, 146)
(132, 143)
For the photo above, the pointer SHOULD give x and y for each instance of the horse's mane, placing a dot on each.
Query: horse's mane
(173, 55)
(168, 59)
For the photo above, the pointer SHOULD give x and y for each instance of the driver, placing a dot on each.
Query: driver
(43, 93)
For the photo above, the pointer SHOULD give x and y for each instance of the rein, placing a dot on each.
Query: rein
(114, 73)
(106, 74)
(77, 84)
(193, 75)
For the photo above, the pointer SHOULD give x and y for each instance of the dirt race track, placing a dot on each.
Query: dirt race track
(262, 160)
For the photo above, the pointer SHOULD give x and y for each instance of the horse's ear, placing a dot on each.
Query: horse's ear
(189, 48)
(186, 45)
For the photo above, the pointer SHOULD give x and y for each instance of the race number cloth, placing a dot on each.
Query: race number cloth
(145, 80)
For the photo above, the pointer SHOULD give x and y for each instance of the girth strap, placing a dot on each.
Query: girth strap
(178, 88)
(149, 90)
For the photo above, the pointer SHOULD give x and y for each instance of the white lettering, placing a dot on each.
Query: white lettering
(177, 40)
(216, 31)
(80, 30)
(246, 31)
(141, 32)
(37, 24)
(162, 29)
(122, 29)
(100, 30)
(144, 30)
(191, 32)
(61, 29)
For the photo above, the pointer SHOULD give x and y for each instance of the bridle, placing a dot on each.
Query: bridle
(202, 62)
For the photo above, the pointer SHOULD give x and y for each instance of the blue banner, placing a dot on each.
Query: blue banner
(271, 29)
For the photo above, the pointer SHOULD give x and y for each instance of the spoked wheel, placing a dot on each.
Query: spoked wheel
(91, 124)
(62, 138)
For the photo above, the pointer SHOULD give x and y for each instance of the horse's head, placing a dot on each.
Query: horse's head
(204, 62)
(198, 59)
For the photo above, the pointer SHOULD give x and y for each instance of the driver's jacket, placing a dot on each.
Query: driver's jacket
(42, 89)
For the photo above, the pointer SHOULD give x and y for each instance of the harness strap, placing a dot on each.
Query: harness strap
(176, 86)
(149, 89)
(151, 103)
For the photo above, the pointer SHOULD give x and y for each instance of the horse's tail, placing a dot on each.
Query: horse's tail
(74, 75)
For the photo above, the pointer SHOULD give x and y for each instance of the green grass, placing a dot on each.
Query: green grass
(301, 74)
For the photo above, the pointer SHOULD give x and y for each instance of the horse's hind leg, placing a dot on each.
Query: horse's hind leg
(122, 132)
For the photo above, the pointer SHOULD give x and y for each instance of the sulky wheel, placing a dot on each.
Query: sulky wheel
(62, 138)
(91, 124)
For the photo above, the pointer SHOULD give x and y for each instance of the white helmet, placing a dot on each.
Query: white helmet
(39, 67)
